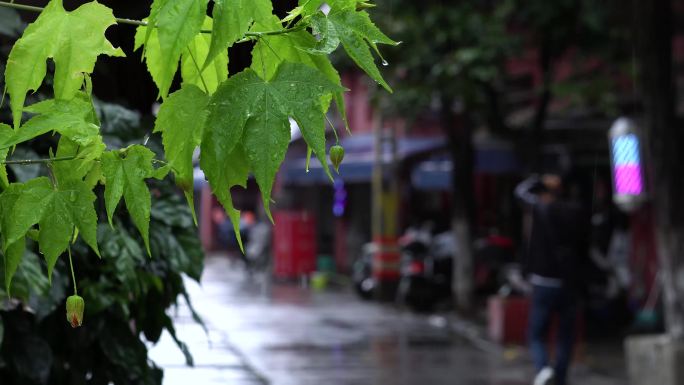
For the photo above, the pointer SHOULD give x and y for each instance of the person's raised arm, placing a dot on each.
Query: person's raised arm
(524, 191)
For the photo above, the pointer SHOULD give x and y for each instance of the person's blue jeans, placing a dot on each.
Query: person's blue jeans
(547, 302)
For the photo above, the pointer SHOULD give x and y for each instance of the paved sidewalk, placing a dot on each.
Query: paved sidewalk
(294, 336)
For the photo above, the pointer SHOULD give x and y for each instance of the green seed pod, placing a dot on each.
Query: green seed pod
(336, 156)
(75, 306)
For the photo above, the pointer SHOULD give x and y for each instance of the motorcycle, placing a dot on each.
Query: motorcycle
(426, 272)
(425, 275)
(427, 268)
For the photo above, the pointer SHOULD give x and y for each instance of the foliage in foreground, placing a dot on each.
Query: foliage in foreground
(127, 294)
(240, 122)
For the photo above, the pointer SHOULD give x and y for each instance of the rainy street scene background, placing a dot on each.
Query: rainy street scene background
(491, 193)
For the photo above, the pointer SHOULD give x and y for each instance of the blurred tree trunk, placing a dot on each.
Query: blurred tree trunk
(459, 134)
(663, 140)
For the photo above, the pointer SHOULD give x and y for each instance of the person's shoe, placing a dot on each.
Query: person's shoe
(544, 377)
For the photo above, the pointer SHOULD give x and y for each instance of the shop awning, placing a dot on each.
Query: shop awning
(358, 160)
(435, 173)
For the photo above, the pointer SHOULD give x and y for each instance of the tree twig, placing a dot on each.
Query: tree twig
(37, 161)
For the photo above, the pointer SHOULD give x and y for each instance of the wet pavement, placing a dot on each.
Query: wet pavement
(299, 336)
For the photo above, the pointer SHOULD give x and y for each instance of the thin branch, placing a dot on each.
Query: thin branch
(31, 8)
(38, 161)
(21, 7)
(277, 32)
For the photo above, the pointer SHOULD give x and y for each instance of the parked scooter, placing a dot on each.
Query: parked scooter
(426, 273)
(427, 267)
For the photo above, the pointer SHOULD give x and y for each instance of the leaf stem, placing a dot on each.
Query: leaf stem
(37, 161)
(199, 71)
(73, 276)
(31, 8)
(337, 139)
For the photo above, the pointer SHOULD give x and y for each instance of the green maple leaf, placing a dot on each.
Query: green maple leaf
(81, 166)
(196, 53)
(232, 19)
(57, 211)
(254, 111)
(125, 173)
(13, 256)
(357, 34)
(181, 121)
(73, 40)
(6, 133)
(74, 119)
(177, 23)
(151, 54)
(223, 170)
(309, 7)
(12, 253)
(271, 51)
(152, 20)
(191, 58)
(329, 39)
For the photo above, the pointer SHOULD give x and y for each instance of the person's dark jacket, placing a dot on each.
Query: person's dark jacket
(556, 246)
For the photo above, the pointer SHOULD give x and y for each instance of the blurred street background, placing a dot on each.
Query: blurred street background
(411, 266)
(294, 335)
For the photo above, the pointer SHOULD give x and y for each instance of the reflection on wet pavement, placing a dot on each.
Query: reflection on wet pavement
(298, 337)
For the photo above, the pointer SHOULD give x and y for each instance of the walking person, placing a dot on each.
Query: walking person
(555, 252)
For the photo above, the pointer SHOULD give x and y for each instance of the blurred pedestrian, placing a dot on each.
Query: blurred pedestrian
(555, 252)
(226, 237)
(259, 247)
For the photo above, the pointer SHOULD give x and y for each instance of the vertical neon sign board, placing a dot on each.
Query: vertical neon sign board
(627, 165)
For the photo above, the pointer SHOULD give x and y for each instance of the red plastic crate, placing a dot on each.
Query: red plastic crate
(294, 244)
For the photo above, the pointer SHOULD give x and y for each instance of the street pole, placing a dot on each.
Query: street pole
(658, 359)
(386, 258)
(459, 132)
(663, 143)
